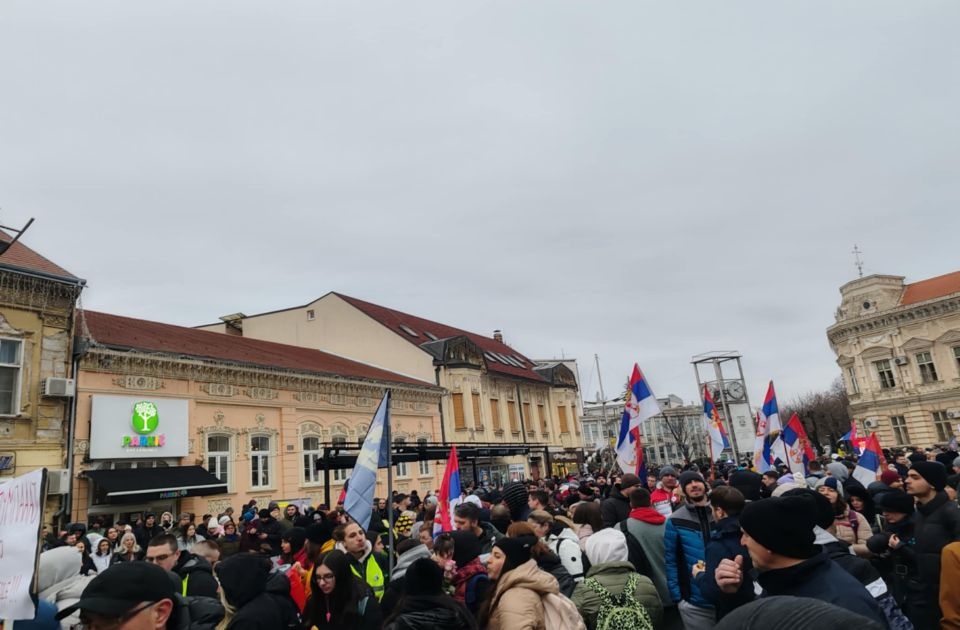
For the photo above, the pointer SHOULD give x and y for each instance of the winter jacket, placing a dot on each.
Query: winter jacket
(398, 581)
(469, 589)
(613, 576)
(900, 570)
(551, 563)
(488, 537)
(566, 545)
(143, 534)
(198, 575)
(359, 567)
(684, 541)
(258, 599)
(274, 532)
(724, 543)
(937, 524)
(647, 525)
(102, 562)
(59, 581)
(854, 529)
(517, 598)
(664, 501)
(614, 508)
(949, 578)
(869, 577)
(821, 578)
(228, 545)
(196, 613)
(186, 544)
(431, 612)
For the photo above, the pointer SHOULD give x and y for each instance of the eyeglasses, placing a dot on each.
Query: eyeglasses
(157, 559)
(326, 578)
(110, 624)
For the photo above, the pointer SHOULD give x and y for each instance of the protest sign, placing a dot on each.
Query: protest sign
(21, 510)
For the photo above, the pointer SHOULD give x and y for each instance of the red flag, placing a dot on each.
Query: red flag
(797, 427)
(449, 490)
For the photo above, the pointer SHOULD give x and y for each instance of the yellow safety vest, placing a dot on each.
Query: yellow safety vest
(184, 584)
(374, 576)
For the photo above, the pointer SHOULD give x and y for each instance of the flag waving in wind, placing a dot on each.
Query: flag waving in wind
(639, 405)
(768, 432)
(449, 492)
(713, 425)
(799, 452)
(358, 502)
(868, 466)
(852, 437)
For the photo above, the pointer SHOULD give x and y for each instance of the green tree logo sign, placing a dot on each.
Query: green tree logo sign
(145, 417)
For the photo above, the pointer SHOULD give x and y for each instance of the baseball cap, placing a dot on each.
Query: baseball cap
(121, 588)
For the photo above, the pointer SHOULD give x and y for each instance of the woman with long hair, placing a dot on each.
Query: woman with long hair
(86, 566)
(588, 521)
(339, 599)
(113, 535)
(129, 550)
(546, 559)
(189, 538)
(103, 556)
(852, 527)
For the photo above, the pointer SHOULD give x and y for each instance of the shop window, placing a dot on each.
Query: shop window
(10, 370)
(218, 457)
(311, 455)
(260, 461)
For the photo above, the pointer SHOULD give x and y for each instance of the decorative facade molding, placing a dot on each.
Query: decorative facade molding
(262, 393)
(219, 389)
(81, 447)
(132, 381)
(892, 319)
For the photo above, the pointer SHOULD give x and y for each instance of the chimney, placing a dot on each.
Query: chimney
(498, 336)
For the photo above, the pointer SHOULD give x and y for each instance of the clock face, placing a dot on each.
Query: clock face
(735, 390)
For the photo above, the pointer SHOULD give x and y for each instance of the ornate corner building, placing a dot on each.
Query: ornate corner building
(898, 346)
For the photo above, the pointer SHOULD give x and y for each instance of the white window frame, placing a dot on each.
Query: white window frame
(264, 479)
(310, 457)
(423, 465)
(18, 379)
(340, 439)
(223, 458)
(401, 467)
(956, 358)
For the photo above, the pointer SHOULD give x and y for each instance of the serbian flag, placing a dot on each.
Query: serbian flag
(799, 452)
(868, 466)
(713, 425)
(639, 405)
(768, 432)
(852, 437)
(449, 492)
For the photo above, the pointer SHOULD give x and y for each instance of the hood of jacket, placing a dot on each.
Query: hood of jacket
(528, 575)
(407, 558)
(58, 565)
(367, 550)
(489, 531)
(648, 515)
(565, 533)
(243, 577)
(839, 471)
(196, 613)
(190, 563)
(611, 568)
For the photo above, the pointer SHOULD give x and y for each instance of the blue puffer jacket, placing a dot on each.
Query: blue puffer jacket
(684, 541)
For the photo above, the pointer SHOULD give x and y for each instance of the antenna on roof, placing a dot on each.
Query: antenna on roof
(857, 260)
(5, 246)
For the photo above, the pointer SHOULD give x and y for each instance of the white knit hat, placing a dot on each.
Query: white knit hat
(607, 545)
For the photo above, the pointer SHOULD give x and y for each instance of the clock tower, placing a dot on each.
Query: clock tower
(722, 373)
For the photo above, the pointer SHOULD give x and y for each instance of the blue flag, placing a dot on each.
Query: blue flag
(373, 455)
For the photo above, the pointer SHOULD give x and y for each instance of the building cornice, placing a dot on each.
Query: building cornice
(899, 316)
(865, 406)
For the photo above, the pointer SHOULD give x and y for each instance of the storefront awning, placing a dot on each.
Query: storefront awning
(133, 485)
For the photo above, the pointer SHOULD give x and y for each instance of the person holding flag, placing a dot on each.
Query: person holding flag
(714, 427)
(640, 404)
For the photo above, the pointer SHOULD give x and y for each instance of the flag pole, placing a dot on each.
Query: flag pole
(389, 488)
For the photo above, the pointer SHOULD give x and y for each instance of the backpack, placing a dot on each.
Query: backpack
(475, 590)
(559, 613)
(622, 612)
(635, 553)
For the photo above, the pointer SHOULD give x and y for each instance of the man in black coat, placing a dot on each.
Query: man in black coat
(148, 530)
(727, 504)
(195, 573)
(616, 507)
(261, 599)
(936, 525)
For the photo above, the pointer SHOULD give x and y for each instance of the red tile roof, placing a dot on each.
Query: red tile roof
(127, 333)
(396, 320)
(20, 256)
(931, 288)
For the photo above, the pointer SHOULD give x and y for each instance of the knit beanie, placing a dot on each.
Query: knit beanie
(793, 613)
(824, 515)
(607, 545)
(517, 551)
(830, 482)
(933, 472)
(889, 477)
(748, 483)
(628, 481)
(895, 501)
(784, 525)
(688, 476)
(423, 577)
(466, 547)
(515, 496)
(319, 533)
(667, 470)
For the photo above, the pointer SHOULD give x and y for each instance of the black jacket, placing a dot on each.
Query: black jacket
(936, 525)
(725, 543)
(198, 574)
(614, 508)
(430, 612)
(196, 613)
(274, 532)
(262, 599)
(143, 534)
(821, 578)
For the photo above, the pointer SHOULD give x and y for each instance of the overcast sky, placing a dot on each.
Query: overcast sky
(642, 181)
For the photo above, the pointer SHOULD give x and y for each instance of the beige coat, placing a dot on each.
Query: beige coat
(517, 600)
(857, 540)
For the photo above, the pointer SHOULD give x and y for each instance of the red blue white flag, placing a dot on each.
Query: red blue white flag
(870, 462)
(449, 494)
(640, 404)
(713, 425)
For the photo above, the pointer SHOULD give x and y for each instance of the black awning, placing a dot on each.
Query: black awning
(133, 485)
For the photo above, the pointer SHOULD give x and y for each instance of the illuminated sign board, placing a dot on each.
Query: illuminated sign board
(127, 427)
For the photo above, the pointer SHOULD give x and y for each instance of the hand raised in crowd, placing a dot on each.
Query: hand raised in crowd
(729, 574)
(894, 541)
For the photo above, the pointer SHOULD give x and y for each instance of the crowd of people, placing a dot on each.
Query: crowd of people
(686, 547)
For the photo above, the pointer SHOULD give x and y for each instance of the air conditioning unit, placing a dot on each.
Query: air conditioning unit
(58, 481)
(59, 387)
(953, 414)
(871, 423)
(900, 360)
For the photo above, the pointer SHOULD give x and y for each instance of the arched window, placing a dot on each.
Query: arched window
(311, 454)
(218, 457)
(260, 461)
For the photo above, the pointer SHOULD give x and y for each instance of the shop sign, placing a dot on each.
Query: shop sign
(8, 461)
(126, 427)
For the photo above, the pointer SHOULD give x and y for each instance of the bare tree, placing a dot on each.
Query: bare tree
(683, 433)
(825, 415)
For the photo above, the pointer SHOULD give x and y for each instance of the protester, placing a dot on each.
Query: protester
(189, 537)
(196, 574)
(852, 527)
(727, 503)
(949, 579)
(546, 560)
(466, 517)
(408, 551)
(425, 606)
(59, 581)
(685, 538)
(587, 520)
(565, 544)
(516, 596)
(647, 526)
(338, 598)
(148, 530)
(795, 613)
(103, 556)
(609, 576)
(229, 540)
(87, 566)
(616, 507)
(246, 582)
(666, 498)
(369, 566)
(469, 580)
(748, 483)
(129, 550)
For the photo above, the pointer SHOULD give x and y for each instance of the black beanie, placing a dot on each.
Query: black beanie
(466, 547)
(264, 514)
(688, 476)
(319, 533)
(424, 577)
(879, 543)
(515, 496)
(748, 483)
(784, 525)
(895, 501)
(824, 509)
(517, 551)
(933, 472)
